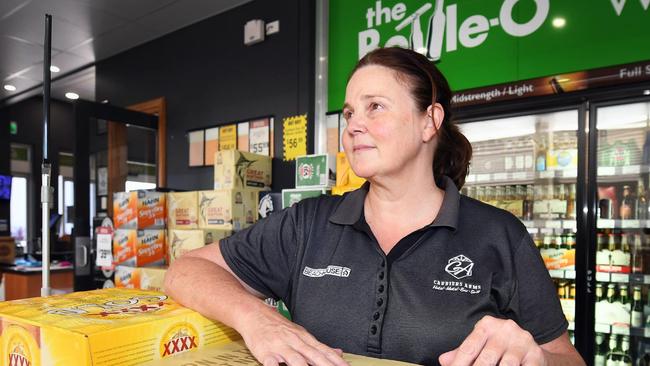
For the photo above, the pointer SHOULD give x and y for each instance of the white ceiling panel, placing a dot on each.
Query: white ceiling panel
(129, 9)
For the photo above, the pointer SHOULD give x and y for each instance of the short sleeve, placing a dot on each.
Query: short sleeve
(264, 254)
(534, 302)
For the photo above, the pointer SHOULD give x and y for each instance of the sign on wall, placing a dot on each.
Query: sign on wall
(294, 136)
(482, 43)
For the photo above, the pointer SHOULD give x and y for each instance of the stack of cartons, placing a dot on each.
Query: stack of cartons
(103, 327)
(184, 233)
(139, 240)
(315, 176)
(346, 180)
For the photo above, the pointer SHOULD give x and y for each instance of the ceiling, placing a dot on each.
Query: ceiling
(84, 32)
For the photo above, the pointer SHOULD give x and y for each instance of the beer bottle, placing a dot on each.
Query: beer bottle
(601, 351)
(571, 203)
(627, 204)
(537, 239)
(603, 253)
(624, 296)
(600, 296)
(625, 359)
(529, 203)
(641, 201)
(540, 155)
(571, 241)
(613, 352)
(611, 293)
(637, 308)
(561, 290)
(480, 193)
(637, 255)
(572, 291)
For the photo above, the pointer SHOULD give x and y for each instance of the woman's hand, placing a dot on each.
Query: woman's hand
(496, 342)
(273, 339)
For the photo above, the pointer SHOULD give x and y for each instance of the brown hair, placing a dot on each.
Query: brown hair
(428, 86)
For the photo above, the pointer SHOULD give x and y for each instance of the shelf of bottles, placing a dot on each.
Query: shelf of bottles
(622, 323)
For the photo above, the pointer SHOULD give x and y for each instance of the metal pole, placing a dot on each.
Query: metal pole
(46, 167)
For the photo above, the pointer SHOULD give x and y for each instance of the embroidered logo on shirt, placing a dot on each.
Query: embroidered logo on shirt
(459, 267)
(331, 270)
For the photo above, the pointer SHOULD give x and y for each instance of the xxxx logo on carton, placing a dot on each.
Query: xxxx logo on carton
(19, 347)
(178, 339)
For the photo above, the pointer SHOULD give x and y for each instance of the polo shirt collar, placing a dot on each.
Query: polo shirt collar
(349, 211)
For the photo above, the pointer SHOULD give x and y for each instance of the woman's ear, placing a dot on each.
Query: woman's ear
(435, 116)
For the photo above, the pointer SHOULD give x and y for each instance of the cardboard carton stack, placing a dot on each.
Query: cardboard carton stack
(315, 175)
(346, 180)
(139, 240)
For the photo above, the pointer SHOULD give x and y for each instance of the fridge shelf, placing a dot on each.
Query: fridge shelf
(615, 329)
(622, 224)
(550, 224)
(519, 177)
(619, 173)
(568, 274)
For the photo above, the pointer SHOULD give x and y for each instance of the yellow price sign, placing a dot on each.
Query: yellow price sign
(228, 137)
(295, 136)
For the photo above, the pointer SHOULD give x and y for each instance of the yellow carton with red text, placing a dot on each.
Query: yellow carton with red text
(345, 176)
(142, 278)
(109, 327)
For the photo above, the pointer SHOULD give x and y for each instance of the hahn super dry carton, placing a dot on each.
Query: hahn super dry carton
(109, 327)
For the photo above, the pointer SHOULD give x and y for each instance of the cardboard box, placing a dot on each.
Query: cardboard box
(124, 243)
(151, 210)
(291, 196)
(229, 209)
(345, 176)
(236, 353)
(150, 248)
(182, 210)
(141, 278)
(211, 236)
(125, 210)
(315, 171)
(269, 202)
(109, 327)
(139, 247)
(182, 241)
(235, 169)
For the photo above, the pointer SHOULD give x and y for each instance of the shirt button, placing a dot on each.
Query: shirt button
(381, 275)
(383, 264)
(373, 329)
(380, 289)
(380, 302)
(375, 316)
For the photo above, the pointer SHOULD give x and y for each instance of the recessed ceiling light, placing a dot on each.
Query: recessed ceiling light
(559, 22)
(54, 68)
(71, 95)
(9, 87)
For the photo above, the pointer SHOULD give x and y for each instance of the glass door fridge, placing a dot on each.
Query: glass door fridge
(528, 165)
(620, 153)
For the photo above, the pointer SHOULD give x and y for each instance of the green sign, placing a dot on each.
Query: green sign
(478, 43)
(13, 128)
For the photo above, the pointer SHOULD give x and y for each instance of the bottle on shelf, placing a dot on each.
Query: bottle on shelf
(540, 155)
(627, 209)
(637, 308)
(620, 257)
(600, 294)
(637, 255)
(613, 352)
(603, 253)
(641, 201)
(625, 358)
(611, 293)
(600, 350)
(529, 202)
(624, 297)
(571, 203)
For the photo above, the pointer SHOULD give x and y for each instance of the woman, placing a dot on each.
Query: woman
(403, 268)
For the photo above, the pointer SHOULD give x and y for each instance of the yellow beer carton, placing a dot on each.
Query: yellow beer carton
(182, 241)
(235, 169)
(228, 209)
(109, 327)
(341, 190)
(182, 210)
(345, 176)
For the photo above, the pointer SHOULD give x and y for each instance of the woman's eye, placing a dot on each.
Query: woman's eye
(375, 106)
(347, 115)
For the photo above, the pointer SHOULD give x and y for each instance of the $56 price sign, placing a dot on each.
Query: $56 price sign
(294, 136)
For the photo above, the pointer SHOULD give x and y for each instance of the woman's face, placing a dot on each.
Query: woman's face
(385, 130)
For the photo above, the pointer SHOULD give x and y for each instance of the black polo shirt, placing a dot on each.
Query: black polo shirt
(419, 301)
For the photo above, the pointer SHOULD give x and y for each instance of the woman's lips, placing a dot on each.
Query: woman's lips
(357, 148)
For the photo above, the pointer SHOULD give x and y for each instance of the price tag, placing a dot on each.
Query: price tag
(547, 174)
(629, 224)
(104, 247)
(631, 169)
(568, 224)
(258, 137)
(470, 178)
(228, 137)
(620, 277)
(570, 274)
(295, 136)
(602, 328)
(606, 223)
(569, 173)
(556, 273)
(555, 224)
(606, 170)
(482, 177)
(602, 276)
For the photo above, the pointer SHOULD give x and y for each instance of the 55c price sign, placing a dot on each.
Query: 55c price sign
(295, 136)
